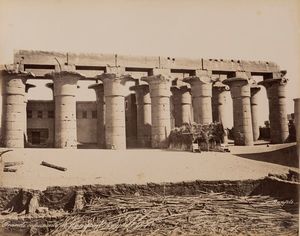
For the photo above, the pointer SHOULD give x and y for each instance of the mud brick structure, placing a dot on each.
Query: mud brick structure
(185, 90)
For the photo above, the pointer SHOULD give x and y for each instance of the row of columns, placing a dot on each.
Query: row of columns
(153, 106)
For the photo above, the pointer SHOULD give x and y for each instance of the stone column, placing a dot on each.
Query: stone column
(218, 101)
(201, 89)
(27, 87)
(160, 84)
(297, 123)
(240, 93)
(276, 92)
(99, 89)
(14, 108)
(143, 103)
(254, 110)
(65, 88)
(114, 93)
(182, 105)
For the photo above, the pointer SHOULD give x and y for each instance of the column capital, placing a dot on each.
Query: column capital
(165, 78)
(29, 86)
(270, 82)
(254, 89)
(201, 76)
(220, 86)
(142, 88)
(180, 89)
(97, 87)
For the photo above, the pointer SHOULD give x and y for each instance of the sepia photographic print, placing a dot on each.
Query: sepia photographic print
(158, 117)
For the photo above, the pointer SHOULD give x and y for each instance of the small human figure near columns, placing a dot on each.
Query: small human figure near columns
(276, 92)
(254, 89)
(160, 84)
(64, 90)
(201, 89)
(14, 108)
(114, 81)
(99, 89)
(242, 122)
(182, 104)
(143, 103)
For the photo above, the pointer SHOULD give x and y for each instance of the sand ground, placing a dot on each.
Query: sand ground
(135, 166)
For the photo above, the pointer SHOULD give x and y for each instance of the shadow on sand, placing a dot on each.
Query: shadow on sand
(285, 156)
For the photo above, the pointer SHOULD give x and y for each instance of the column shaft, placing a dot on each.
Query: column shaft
(143, 103)
(276, 92)
(14, 108)
(219, 101)
(115, 125)
(160, 109)
(254, 111)
(65, 89)
(240, 93)
(297, 122)
(99, 89)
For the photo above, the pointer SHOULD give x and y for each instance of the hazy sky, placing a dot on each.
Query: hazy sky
(254, 30)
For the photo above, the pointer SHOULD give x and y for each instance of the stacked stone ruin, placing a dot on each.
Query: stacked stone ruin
(195, 89)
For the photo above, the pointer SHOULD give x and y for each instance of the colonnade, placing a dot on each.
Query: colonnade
(202, 101)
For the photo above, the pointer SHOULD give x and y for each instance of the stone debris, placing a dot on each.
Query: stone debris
(53, 166)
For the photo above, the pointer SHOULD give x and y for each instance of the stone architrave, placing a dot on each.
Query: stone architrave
(99, 89)
(64, 92)
(160, 84)
(14, 107)
(143, 103)
(182, 104)
(242, 122)
(219, 101)
(114, 92)
(201, 90)
(276, 92)
(254, 110)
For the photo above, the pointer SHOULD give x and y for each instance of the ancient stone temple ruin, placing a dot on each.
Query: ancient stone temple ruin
(138, 99)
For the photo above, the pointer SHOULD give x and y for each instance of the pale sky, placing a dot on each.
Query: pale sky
(251, 30)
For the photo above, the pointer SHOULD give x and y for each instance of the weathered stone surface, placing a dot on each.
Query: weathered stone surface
(219, 92)
(201, 90)
(182, 102)
(276, 92)
(99, 89)
(114, 91)
(297, 122)
(65, 88)
(254, 110)
(160, 84)
(240, 93)
(143, 103)
(14, 108)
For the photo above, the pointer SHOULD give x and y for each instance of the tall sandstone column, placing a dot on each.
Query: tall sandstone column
(297, 122)
(160, 84)
(99, 89)
(14, 108)
(254, 110)
(276, 92)
(219, 101)
(27, 87)
(143, 103)
(65, 89)
(242, 122)
(114, 93)
(182, 104)
(201, 89)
